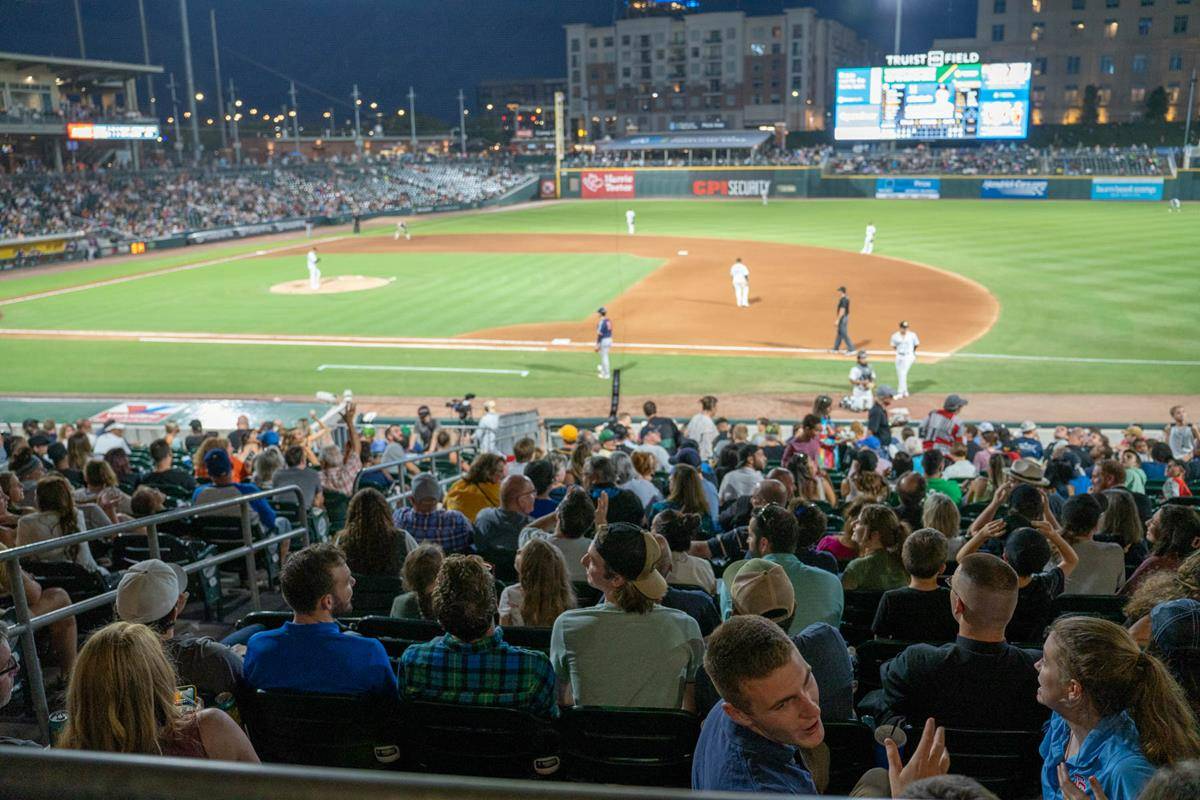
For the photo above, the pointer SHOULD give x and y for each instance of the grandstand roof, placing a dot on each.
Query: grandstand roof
(79, 69)
(694, 140)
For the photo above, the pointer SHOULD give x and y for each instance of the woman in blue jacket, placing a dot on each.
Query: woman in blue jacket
(1118, 713)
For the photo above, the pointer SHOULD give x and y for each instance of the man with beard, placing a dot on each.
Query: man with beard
(310, 653)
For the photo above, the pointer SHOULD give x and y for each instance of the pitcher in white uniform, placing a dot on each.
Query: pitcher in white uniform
(629, 218)
(869, 240)
(314, 274)
(905, 343)
(741, 283)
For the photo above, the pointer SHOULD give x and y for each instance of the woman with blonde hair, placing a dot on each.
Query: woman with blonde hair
(543, 589)
(99, 480)
(121, 699)
(1162, 587)
(1117, 712)
(79, 453)
(372, 543)
(940, 513)
(984, 487)
(686, 496)
(1122, 524)
(56, 517)
(479, 488)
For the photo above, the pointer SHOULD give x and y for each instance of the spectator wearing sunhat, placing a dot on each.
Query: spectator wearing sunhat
(154, 593)
(942, 427)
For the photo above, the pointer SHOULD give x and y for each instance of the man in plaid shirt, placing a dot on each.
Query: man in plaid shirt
(427, 523)
(471, 664)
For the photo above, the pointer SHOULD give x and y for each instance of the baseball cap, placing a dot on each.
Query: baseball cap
(569, 433)
(268, 438)
(632, 553)
(883, 390)
(24, 463)
(425, 487)
(762, 588)
(619, 430)
(862, 353)
(954, 402)
(149, 590)
(422, 411)
(903, 323)
(601, 310)
(1028, 425)
(39, 440)
(1175, 626)
(607, 435)
(987, 427)
(686, 455)
(196, 425)
(217, 463)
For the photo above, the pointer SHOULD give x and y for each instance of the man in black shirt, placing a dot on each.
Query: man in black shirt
(665, 426)
(877, 417)
(920, 612)
(193, 440)
(953, 682)
(843, 323)
(163, 473)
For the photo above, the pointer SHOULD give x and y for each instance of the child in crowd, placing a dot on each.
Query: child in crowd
(919, 612)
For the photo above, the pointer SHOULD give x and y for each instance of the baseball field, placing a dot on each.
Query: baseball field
(1007, 297)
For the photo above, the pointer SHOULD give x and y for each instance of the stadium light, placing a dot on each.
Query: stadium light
(490, 106)
(400, 112)
(208, 121)
(228, 117)
(327, 114)
(199, 96)
(170, 120)
(537, 110)
(795, 93)
(374, 105)
(254, 112)
(358, 102)
(187, 115)
(237, 117)
(292, 113)
(466, 111)
(654, 95)
(266, 117)
(237, 103)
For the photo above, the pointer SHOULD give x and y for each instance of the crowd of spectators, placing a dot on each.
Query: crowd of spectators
(1131, 161)
(924, 160)
(150, 204)
(707, 567)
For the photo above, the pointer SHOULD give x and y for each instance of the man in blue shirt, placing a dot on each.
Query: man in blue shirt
(311, 653)
(1028, 444)
(220, 469)
(770, 710)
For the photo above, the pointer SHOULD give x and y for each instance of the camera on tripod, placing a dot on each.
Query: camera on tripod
(461, 407)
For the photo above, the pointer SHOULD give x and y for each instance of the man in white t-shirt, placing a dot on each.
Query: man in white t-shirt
(905, 343)
(629, 218)
(314, 274)
(701, 427)
(741, 283)
(869, 240)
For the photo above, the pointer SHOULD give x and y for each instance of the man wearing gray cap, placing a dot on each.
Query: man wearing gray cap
(427, 523)
(941, 428)
(153, 593)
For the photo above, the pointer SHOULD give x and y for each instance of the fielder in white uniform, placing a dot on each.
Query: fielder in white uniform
(402, 228)
(604, 332)
(869, 240)
(1175, 205)
(741, 283)
(905, 343)
(862, 383)
(629, 218)
(314, 274)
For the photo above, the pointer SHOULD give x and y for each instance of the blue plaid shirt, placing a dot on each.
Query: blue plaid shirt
(486, 672)
(450, 529)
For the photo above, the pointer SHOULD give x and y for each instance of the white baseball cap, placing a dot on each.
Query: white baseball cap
(149, 590)
(1028, 425)
(986, 427)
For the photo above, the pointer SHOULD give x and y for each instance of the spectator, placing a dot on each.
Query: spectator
(843, 545)
(947, 681)
(310, 653)
(919, 612)
(770, 710)
(197, 436)
(295, 473)
(811, 484)
(471, 663)
(339, 467)
(9, 670)
(807, 441)
(941, 428)
(948, 787)
(1181, 434)
(572, 521)
(862, 481)
(479, 488)
(1180, 781)
(112, 436)
(419, 575)
(489, 430)
(811, 521)
(136, 712)
(912, 492)
(701, 429)
(1174, 534)
(267, 465)
(1175, 482)
(79, 453)
(983, 488)
(498, 529)
(541, 475)
(163, 473)
(1120, 707)
(1121, 524)
(543, 589)
(940, 513)
(629, 651)
(1162, 587)
(931, 466)
(1135, 476)
(154, 593)
(600, 477)
(217, 443)
(1101, 568)
(686, 496)
(696, 603)
(1156, 466)
(56, 517)
(679, 530)
(371, 543)
(731, 545)
(451, 530)
(880, 537)
(773, 536)
(1175, 638)
(665, 427)
(62, 634)
(28, 468)
(219, 467)
(1028, 445)
(523, 450)
(639, 477)
(651, 444)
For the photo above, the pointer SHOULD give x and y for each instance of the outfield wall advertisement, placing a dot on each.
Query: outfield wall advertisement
(1013, 189)
(607, 184)
(1127, 189)
(908, 188)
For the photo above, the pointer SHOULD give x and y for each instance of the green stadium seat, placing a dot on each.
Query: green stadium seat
(325, 730)
(638, 746)
(491, 742)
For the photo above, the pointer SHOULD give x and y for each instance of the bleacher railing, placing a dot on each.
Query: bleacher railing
(28, 625)
(400, 491)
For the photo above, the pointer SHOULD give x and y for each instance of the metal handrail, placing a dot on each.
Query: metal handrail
(27, 626)
(412, 458)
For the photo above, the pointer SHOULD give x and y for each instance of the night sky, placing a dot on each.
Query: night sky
(439, 46)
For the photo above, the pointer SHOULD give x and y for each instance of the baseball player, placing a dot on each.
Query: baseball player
(402, 228)
(765, 191)
(905, 343)
(869, 240)
(629, 218)
(1175, 205)
(314, 274)
(604, 332)
(862, 381)
(741, 283)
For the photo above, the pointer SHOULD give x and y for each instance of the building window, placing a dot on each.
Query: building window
(608, 41)
(1079, 5)
(1076, 26)
(797, 31)
(1175, 63)
(1173, 92)
(1112, 3)
(1039, 96)
(1147, 3)
(575, 45)
(1071, 94)
(1144, 26)
(999, 6)
(593, 42)
(1036, 31)
(1180, 24)
(1107, 67)
(997, 33)
(1110, 29)
(1137, 94)
(1035, 6)
(1139, 63)
(1072, 65)
(625, 40)
(1039, 65)
(1103, 95)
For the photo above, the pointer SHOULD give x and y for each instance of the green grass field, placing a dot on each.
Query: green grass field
(1075, 280)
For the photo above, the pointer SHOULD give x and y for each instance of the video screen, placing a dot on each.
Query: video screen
(952, 101)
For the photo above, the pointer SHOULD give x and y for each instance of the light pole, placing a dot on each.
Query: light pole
(212, 18)
(175, 117)
(233, 124)
(146, 60)
(189, 80)
(412, 121)
(899, 17)
(462, 125)
(1187, 123)
(358, 143)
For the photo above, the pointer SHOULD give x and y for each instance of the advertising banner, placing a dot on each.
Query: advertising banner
(1127, 189)
(608, 184)
(138, 413)
(908, 188)
(1013, 189)
(547, 188)
(725, 187)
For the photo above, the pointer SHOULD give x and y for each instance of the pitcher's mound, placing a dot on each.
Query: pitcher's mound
(336, 284)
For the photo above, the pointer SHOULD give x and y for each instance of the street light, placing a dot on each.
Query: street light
(254, 112)
(374, 105)
(199, 96)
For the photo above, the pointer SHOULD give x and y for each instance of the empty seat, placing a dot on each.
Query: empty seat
(639, 746)
(476, 740)
(858, 615)
(872, 654)
(326, 730)
(1105, 606)
(373, 594)
(1006, 762)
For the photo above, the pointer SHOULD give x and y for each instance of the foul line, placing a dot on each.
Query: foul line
(534, 345)
(524, 373)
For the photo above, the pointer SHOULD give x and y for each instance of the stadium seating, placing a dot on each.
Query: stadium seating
(647, 747)
(320, 729)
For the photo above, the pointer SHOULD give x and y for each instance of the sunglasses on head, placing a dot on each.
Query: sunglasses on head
(763, 517)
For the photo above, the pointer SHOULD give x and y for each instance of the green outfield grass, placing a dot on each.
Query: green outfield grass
(1074, 280)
